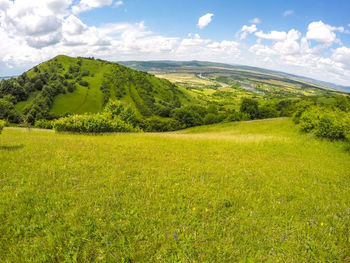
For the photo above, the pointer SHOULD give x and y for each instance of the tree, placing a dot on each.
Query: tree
(251, 107)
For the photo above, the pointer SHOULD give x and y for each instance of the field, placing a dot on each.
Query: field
(248, 191)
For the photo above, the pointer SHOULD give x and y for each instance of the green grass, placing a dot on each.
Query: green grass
(250, 191)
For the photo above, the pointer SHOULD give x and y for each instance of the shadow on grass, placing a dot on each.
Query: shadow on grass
(11, 148)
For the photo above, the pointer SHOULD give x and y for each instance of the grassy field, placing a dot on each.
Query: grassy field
(250, 191)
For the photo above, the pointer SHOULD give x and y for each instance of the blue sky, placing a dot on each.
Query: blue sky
(310, 38)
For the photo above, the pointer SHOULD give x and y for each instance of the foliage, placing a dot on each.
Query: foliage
(157, 124)
(325, 122)
(124, 112)
(250, 107)
(2, 125)
(44, 124)
(92, 123)
(7, 111)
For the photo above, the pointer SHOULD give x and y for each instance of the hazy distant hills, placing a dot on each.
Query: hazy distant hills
(190, 66)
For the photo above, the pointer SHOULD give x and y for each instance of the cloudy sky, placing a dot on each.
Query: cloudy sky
(309, 38)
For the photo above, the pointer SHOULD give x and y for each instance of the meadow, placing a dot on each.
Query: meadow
(246, 191)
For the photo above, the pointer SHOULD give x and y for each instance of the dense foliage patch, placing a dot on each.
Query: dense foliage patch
(326, 123)
(92, 123)
(2, 125)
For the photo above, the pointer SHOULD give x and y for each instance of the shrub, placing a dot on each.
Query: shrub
(84, 83)
(43, 124)
(157, 124)
(326, 123)
(124, 112)
(93, 123)
(2, 125)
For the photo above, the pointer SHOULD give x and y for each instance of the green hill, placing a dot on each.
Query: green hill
(66, 85)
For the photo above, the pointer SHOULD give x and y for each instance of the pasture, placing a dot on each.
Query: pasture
(248, 191)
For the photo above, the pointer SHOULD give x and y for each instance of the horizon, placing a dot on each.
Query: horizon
(284, 37)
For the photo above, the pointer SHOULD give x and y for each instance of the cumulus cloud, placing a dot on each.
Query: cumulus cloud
(34, 31)
(273, 35)
(342, 55)
(288, 13)
(86, 5)
(203, 21)
(321, 32)
(245, 30)
(255, 20)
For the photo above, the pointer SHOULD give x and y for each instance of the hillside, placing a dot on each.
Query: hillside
(252, 191)
(239, 71)
(173, 96)
(66, 85)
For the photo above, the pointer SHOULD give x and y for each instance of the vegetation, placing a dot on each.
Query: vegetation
(92, 123)
(246, 191)
(2, 125)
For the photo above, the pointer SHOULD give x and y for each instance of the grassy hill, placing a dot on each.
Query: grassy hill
(66, 85)
(246, 191)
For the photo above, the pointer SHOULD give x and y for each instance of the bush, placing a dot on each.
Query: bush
(326, 123)
(93, 123)
(2, 125)
(84, 83)
(43, 124)
(124, 112)
(157, 124)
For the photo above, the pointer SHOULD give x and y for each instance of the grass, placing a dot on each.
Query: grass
(249, 191)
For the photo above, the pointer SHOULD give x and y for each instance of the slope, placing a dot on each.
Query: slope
(66, 85)
(255, 191)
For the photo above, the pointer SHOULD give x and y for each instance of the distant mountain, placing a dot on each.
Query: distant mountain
(7, 77)
(169, 66)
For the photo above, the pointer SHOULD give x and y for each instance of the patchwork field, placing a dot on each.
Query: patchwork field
(248, 191)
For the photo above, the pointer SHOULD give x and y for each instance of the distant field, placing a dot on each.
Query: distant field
(249, 191)
(185, 78)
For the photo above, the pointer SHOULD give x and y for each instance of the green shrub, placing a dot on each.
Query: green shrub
(43, 124)
(2, 125)
(124, 112)
(158, 124)
(326, 123)
(93, 123)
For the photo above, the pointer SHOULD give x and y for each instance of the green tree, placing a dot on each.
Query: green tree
(251, 107)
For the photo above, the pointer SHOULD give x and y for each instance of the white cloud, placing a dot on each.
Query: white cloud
(203, 21)
(255, 20)
(322, 32)
(86, 5)
(34, 31)
(273, 35)
(342, 55)
(245, 30)
(118, 3)
(288, 13)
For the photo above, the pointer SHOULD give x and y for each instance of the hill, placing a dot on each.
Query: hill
(174, 95)
(238, 70)
(66, 85)
(247, 191)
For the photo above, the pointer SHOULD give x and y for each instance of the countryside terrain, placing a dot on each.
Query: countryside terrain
(244, 191)
(172, 96)
(172, 162)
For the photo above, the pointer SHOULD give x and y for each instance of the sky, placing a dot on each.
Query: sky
(308, 38)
